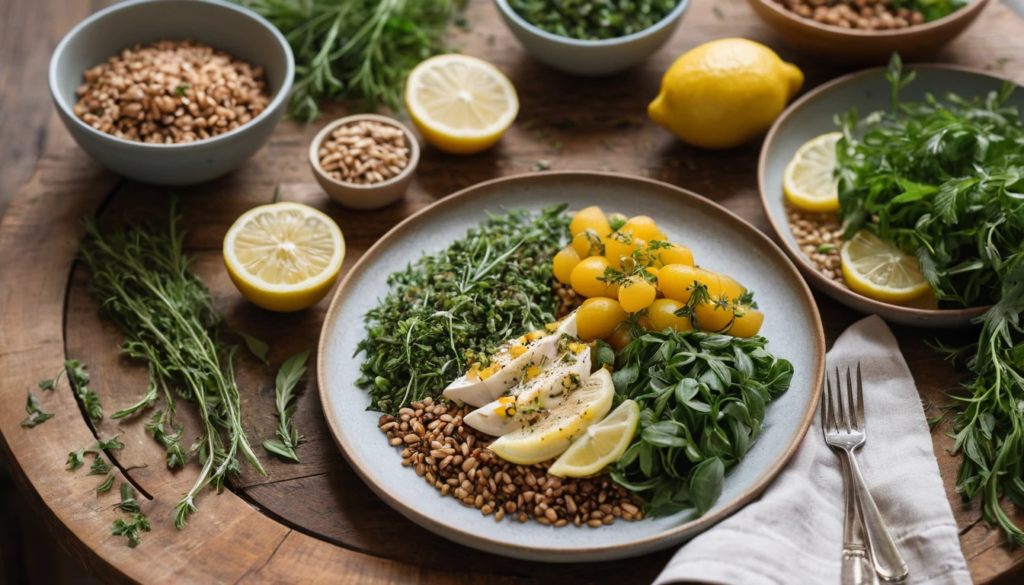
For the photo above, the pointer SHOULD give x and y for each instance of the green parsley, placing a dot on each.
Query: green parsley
(593, 19)
(944, 179)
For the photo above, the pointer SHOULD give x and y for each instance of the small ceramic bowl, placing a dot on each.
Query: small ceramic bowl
(224, 26)
(865, 47)
(365, 196)
(591, 58)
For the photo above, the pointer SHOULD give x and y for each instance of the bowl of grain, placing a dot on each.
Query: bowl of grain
(364, 161)
(172, 92)
(868, 31)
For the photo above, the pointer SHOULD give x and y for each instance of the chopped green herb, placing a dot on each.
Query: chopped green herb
(542, 165)
(826, 248)
(454, 308)
(718, 13)
(134, 526)
(257, 347)
(593, 19)
(107, 483)
(76, 459)
(180, 90)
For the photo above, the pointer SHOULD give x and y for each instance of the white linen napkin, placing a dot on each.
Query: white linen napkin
(793, 533)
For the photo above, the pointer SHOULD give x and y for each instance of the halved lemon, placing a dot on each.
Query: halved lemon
(460, 104)
(880, 270)
(554, 432)
(809, 181)
(602, 444)
(284, 256)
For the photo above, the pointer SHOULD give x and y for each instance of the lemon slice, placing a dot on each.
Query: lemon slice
(285, 256)
(602, 444)
(809, 181)
(881, 271)
(550, 436)
(460, 104)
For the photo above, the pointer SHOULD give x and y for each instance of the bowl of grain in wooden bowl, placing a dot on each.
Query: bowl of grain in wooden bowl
(364, 161)
(172, 92)
(868, 31)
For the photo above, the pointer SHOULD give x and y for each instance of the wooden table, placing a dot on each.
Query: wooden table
(317, 520)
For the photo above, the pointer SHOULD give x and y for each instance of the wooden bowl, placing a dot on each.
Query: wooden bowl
(365, 196)
(865, 47)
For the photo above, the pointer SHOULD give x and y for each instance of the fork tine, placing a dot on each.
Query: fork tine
(843, 419)
(823, 405)
(852, 419)
(860, 399)
(826, 407)
(833, 417)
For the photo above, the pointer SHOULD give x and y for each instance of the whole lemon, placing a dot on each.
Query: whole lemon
(724, 93)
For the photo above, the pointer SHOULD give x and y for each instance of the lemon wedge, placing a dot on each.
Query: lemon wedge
(602, 444)
(552, 434)
(460, 104)
(809, 181)
(284, 256)
(881, 271)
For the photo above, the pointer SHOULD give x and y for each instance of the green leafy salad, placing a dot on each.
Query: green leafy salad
(943, 179)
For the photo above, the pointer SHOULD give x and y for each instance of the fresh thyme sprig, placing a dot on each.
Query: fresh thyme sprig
(943, 179)
(287, 378)
(142, 278)
(36, 416)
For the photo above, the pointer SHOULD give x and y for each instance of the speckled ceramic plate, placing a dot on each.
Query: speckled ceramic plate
(719, 239)
(811, 116)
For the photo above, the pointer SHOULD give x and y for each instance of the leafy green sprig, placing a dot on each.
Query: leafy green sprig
(136, 524)
(284, 394)
(702, 398)
(455, 307)
(36, 415)
(79, 379)
(76, 459)
(355, 49)
(944, 179)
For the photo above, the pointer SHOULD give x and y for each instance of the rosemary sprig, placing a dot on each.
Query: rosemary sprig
(79, 379)
(287, 378)
(355, 49)
(142, 277)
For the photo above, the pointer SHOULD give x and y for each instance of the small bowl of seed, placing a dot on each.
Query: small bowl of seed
(364, 161)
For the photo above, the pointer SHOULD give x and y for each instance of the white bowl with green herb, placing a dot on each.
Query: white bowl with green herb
(586, 37)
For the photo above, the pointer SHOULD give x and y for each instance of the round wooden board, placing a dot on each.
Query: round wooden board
(316, 520)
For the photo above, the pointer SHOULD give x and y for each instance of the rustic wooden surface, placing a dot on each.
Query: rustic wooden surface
(316, 519)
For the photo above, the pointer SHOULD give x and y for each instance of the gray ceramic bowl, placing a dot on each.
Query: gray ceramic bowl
(811, 116)
(591, 58)
(238, 31)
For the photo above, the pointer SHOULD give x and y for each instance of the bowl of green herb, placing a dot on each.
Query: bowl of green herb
(859, 33)
(592, 37)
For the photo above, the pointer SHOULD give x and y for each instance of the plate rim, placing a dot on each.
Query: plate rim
(528, 552)
(842, 294)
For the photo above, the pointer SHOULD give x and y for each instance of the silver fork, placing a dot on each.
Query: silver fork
(845, 431)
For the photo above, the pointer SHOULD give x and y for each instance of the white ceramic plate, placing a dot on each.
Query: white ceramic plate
(720, 241)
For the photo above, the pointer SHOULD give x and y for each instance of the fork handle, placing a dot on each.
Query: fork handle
(886, 557)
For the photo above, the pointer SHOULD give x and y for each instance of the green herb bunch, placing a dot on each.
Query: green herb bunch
(454, 307)
(944, 179)
(142, 277)
(593, 19)
(355, 49)
(930, 9)
(702, 399)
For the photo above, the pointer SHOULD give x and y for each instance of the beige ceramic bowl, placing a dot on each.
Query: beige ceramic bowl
(861, 46)
(359, 196)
